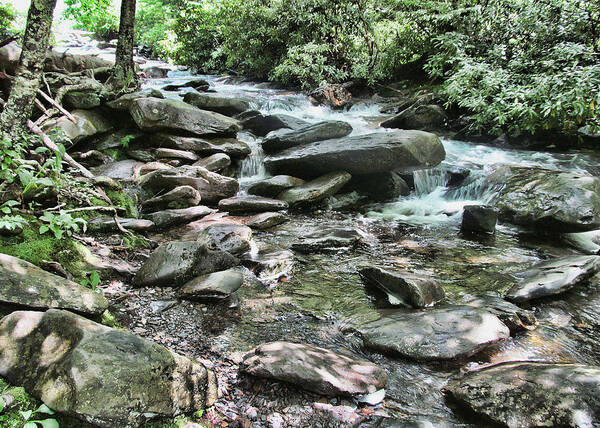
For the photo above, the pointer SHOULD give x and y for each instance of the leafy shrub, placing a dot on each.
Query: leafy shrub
(7, 18)
(96, 16)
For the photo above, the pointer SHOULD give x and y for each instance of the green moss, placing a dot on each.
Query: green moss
(116, 154)
(108, 319)
(121, 200)
(135, 241)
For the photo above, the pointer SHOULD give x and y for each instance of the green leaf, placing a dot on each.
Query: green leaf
(49, 423)
(2, 404)
(45, 409)
(43, 229)
(26, 414)
(30, 424)
(95, 279)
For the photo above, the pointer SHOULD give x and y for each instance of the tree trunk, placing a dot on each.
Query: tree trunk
(13, 121)
(123, 75)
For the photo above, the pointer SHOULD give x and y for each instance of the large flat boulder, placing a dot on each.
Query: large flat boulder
(264, 221)
(315, 369)
(89, 123)
(176, 262)
(404, 288)
(120, 170)
(214, 286)
(155, 114)
(261, 124)
(251, 204)
(211, 186)
(273, 186)
(202, 146)
(452, 332)
(549, 200)
(309, 134)
(104, 376)
(404, 151)
(315, 191)
(26, 285)
(522, 394)
(553, 277)
(229, 106)
(172, 217)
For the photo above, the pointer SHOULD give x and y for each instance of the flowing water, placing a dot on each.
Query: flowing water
(319, 298)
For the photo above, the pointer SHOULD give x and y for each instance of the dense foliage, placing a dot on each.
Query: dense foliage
(97, 16)
(7, 17)
(519, 66)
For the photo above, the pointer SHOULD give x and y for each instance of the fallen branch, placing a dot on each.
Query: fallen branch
(57, 105)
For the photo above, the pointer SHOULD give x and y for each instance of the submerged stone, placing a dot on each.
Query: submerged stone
(553, 277)
(315, 369)
(479, 219)
(24, 284)
(328, 239)
(530, 394)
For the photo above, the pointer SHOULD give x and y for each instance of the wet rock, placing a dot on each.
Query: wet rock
(350, 201)
(214, 163)
(404, 288)
(532, 394)
(121, 170)
(449, 333)
(428, 117)
(163, 153)
(553, 277)
(402, 151)
(308, 134)
(169, 218)
(548, 200)
(515, 318)
(211, 186)
(107, 224)
(204, 147)
(214, 286)
(229, 106)
(89, 123)
(269, 264)
(315, 369)
(380, 187)
(179, 197)
(261, 125)
(328, 239)
(315, 191)
(197, 84)
(479, 219)
(273, 186)
(251, 204)
(26, 285)
(83, 100)
(585, 242)
(334, 95)
(69, 363)
(156, 72)
(153, 114)
(174, 263)
(264, 221)
(231, 237)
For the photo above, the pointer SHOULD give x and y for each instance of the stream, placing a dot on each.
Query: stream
(320, 298)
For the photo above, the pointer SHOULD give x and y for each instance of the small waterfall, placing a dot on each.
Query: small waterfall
(252, 168)
(428, 180)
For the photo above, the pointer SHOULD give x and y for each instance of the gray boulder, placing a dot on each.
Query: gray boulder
(211, 186)
(585, 242)
(228, 106)
(179, 197)
(214, 163)
(120, 170)
(479, 219)
(251, 204)
(428, 117)
(522, 394)
(553, 277)
(515, 318)
(308, 134)
(83, 100)
(449, 333)
(315, 191)
(156, 72)
(174, 263)
(164, 153)
(403, 151)
(226, 236)
(26, 285)
(203, 147)
(315, 369)
(214, 286)
(103, 376)
(273, 186)
(197, 84)
(264, 221)
(328, 240)
(173, 217)
(89, 123)
(404, 288)
(154, 114)
(546, 199)
(261, 125)
(107, 224)
(381, 187)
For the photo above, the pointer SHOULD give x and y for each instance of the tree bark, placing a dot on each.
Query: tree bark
(123, 74)
(13, 121)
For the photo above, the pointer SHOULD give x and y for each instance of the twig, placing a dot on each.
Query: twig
(58, 106)
(39, 105)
